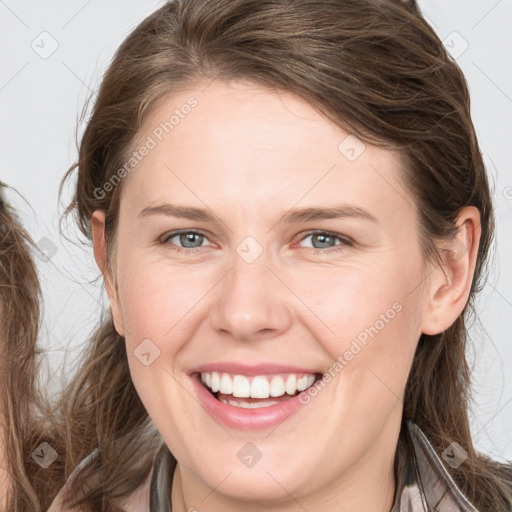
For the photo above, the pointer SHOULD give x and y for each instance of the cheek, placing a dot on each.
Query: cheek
(369, 323)
(155, 307)
(157, 302)
(355, 301)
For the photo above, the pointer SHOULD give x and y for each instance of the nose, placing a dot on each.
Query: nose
(252, 302)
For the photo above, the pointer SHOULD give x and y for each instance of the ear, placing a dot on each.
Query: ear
(448, 287)
(100, 255)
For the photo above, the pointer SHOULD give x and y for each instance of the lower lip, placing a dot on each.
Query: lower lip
(246, 419)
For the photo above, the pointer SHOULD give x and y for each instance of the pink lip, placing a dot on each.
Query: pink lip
(245, 419)
(242, 369)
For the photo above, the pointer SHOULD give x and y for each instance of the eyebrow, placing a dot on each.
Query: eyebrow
(336, 212)
(293, 216)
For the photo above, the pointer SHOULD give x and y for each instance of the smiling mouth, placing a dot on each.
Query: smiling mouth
(256, 392)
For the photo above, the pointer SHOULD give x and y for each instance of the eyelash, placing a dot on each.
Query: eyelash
(345, 241)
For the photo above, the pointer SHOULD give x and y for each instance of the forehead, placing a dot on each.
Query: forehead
(238, 142)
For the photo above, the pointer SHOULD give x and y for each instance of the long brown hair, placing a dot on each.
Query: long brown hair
(374, 67)
(20, 300)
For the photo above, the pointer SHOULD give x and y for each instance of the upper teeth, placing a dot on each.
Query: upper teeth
(261, 386)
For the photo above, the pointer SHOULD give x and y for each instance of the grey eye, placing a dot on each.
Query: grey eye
(186, 239)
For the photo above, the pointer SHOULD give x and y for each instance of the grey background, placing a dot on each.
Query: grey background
(53, 57)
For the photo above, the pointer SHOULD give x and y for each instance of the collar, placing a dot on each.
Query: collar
(422, 482)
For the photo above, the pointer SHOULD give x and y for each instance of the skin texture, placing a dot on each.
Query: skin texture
(249, 155)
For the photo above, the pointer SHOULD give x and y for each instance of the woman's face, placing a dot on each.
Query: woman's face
(302, 256)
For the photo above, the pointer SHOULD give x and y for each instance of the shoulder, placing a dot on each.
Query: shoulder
(58, 503)
(138, 501)
(135, 502)
(58, 506)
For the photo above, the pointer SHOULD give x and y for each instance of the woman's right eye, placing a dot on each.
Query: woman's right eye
(187, 238)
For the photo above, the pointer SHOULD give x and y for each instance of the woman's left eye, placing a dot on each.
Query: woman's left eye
(325, 241)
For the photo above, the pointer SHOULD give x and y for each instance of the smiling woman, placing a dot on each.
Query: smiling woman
(289, 261)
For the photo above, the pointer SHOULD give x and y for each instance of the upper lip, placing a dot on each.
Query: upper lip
(244, 369)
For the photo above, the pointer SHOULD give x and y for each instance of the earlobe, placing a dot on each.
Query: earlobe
(449, 286)
(100, 255)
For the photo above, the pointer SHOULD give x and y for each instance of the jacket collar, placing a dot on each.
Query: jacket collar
(422, 482)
